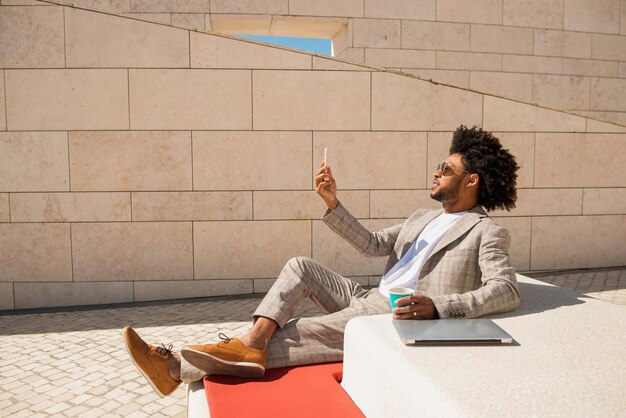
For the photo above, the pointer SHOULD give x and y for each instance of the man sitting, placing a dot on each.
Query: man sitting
(456, 258)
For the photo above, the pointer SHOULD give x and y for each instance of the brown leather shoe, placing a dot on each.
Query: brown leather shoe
(152, 362)
(230, 357)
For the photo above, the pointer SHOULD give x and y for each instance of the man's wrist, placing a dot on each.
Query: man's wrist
(333, 205)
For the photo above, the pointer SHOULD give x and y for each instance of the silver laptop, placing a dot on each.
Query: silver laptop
(451, 331)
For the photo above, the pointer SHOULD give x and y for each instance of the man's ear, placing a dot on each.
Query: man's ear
(473, 180)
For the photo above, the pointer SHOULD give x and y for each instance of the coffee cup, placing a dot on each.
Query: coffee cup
(397, 293)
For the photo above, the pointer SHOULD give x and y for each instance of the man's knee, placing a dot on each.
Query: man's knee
(301, 264)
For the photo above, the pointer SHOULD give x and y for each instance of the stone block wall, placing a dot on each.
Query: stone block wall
(141, 161)
(562, 54)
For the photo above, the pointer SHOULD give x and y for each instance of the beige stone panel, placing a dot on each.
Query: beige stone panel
(192, 206)
(508, 115)
(31, 37)
(190, 99)
(510, 85)
(469, 61)
(608, 94)
(335, 253)
(345, 8)
(403, 103)
(545, 202)
(374, 280)
(70, 207)
(33, 161)
(263, 285)
(355, 55)
(618, 118)
(5, 215)
(193, 21)
(308, 27)
(598, 126)
(3, 110)
(280, 7)
(164, 18)
(609, 47)
(67, 99)
(576, 160)
(562, 43)
(533, 13)
(374, 160)
(592, 16)
(530, 64)
(101, 40)
(311, 100)
(24, 3)
(399, 58)
(455, 78)
(320, 63)
(590, 67)
(113, 6)
(562, 242)
(604, 201)
(46, 295)
(304, 204)
(132, 251)
(501, 39)
(522, 146)
(436, 35)
(252, 160)
(6, 296)
(561, 92)
(240, 249)
(239, 23)
(377, 33)
(622, 70)
(520, 231)
(187, 289)
(623, 18)
(170, 6)
(130, 160)
(476, 11)
(35, 252)
(400, 203)
(401, 9)
(211, 51)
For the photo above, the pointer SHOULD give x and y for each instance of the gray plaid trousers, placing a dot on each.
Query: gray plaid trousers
(309, 340)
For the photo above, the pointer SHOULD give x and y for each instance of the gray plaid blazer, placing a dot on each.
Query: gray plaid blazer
(468, 273)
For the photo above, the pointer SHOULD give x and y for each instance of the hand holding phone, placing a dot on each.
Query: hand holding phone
(325, 183)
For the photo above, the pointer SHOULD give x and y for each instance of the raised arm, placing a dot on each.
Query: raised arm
(341, 221)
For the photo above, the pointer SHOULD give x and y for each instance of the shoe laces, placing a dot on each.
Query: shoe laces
(165, 351)
(224, 337)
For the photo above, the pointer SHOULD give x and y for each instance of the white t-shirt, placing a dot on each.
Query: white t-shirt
(406, 270)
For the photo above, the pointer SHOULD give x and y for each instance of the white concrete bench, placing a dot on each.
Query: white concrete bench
(567, 360)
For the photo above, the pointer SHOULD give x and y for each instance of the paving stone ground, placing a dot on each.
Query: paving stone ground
(73, 363)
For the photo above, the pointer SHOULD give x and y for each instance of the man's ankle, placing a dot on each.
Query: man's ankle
(174, 367)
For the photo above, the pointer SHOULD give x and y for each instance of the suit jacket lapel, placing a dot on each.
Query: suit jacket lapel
(416, 228)
(463, 225)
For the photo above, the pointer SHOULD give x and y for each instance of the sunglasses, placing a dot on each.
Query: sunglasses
(446, 170)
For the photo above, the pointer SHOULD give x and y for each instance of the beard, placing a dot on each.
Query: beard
(448, 193)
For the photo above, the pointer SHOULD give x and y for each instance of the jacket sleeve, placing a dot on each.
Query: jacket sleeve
(499, 291)
(371, 244)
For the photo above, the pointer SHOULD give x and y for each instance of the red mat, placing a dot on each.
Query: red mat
(303, 391)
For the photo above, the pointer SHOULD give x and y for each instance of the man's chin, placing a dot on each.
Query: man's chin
(435, 196)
